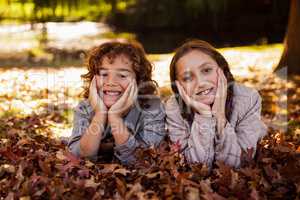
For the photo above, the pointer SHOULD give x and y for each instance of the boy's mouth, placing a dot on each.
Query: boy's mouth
(112, 93)
(205, 92)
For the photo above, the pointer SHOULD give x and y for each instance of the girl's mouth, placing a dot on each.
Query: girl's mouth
(205, 92)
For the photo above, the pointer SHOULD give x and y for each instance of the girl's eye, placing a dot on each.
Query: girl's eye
(187, 78)
(206, 70)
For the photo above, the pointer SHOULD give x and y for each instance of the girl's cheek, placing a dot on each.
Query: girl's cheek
(211, 79)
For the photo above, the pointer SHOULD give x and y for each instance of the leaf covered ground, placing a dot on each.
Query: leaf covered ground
(35, 164)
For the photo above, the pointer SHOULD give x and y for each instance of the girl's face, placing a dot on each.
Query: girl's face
(197, 73)
(113, 78)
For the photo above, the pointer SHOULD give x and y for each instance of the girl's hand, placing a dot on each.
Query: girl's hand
(201, 108)
(218, 108)
(123, 104)
(95, 100)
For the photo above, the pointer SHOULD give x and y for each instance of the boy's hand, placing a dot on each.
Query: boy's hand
(123, 104)
(95, 100)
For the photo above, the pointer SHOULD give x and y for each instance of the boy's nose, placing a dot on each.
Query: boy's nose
(111, 80)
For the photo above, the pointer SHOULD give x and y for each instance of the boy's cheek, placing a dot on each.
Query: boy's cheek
(125, 85)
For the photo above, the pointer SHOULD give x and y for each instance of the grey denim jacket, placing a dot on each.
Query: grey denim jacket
(146, 125)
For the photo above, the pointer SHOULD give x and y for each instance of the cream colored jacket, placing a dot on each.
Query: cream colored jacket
(199, 142)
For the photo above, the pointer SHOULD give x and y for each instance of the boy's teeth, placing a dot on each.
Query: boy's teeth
(112, 93)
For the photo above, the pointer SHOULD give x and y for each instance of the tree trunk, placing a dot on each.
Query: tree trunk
(113, 4)
(291, 54)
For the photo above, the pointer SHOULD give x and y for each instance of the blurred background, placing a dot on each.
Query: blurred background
(44, 45)
(161, 25)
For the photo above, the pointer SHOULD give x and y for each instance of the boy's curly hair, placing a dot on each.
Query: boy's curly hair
(135, 53)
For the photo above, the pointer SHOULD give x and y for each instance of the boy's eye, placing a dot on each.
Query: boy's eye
(102, 73)
(123, 75)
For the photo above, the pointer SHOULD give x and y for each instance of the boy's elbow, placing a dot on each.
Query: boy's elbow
(82, 151)
(87, 152)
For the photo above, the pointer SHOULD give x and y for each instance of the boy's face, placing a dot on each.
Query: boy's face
(114, 78)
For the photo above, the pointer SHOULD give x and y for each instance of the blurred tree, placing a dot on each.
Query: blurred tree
(291, 53)
(163, 14)
(113, 4)
(46, 10)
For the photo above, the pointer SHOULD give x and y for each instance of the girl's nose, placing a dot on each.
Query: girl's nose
(202, 81)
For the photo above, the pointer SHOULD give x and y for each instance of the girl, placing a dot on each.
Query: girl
(211, 116)
(117, 74)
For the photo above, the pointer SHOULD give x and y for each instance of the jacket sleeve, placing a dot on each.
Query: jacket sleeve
(245, 136)
(81, 122)
(151, 132)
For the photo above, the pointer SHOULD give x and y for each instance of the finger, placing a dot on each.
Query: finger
(92, 84)
(135, 92)
(199, 105)
(128, 91)
(218, 84)
(131, 93)
(223, 76)
(216, 101)
(223, 84)
(93, 96)
(98, 83)
(129, 98)
(220, 99)
(121, 102)
(93, 89)
(96, 80)
(182, 93)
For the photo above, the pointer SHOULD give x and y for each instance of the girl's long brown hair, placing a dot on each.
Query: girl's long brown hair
(208, 49)
(140, 64)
